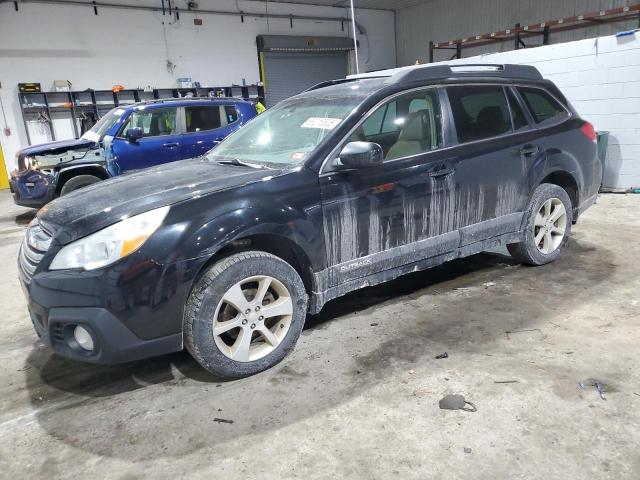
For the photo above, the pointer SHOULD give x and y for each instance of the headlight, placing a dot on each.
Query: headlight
(110, 244)
(36, 237)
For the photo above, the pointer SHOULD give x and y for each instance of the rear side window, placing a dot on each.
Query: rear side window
(201, 119)
(479, 111)
(543, 107)
(209, 117)
(231, 113)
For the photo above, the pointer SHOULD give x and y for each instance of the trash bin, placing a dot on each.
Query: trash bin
(602, 143)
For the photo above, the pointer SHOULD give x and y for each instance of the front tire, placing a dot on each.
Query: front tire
(78, 182)
(548, 226)
(245, 314)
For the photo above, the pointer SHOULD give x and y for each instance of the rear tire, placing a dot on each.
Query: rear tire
(547, 228)
(245, 314)
(78, 182)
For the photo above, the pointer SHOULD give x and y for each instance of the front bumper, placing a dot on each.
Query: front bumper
(113, 342)
(32, 188)
(132, 309)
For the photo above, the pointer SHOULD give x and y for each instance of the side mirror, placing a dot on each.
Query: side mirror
(134, 134)
(361, 155)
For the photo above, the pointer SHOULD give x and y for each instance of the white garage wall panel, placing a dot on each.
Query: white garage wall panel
(42, 43)
(442, 20)
(601, 78)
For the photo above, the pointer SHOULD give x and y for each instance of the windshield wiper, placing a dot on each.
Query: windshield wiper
(235, 161)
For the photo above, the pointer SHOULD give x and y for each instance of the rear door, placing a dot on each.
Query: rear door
(205, 127)
(495, 150)
(160, 142)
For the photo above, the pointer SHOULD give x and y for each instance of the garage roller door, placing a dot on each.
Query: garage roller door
(288, 74)
(291, 64)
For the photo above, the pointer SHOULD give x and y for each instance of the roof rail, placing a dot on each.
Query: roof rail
(432, 72)
(328, 83)
(180, 99)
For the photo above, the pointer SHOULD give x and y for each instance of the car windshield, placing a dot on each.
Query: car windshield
(102, 126)
(285, 135)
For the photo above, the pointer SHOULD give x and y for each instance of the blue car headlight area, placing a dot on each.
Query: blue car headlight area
(110, 244)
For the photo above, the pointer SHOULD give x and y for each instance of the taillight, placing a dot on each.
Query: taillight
(588, 131)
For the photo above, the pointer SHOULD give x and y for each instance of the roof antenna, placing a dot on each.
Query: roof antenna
(355, 41)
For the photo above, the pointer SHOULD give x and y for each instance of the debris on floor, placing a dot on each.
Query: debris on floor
(222, 420)
(456, 402)
(467, 450)
(442, 355)
(508, 333)
(506, 381)
(601, 387)
(489, 284)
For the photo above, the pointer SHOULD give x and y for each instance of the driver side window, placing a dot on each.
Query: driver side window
(407, 125)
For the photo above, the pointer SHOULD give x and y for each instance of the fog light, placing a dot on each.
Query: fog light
(83, 337)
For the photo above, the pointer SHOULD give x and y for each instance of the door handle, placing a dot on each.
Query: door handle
(529, 149)
(169, 145)
(441, 172)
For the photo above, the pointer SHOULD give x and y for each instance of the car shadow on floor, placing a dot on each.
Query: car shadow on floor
(151, 397)
(25, 217)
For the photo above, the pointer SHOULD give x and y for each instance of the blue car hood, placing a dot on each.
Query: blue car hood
(92, 208)
(55, 147)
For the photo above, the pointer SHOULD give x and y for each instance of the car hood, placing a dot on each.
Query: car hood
(90, 209)
(56, 147)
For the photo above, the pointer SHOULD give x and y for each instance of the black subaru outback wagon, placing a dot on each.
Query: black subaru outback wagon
(349, 184)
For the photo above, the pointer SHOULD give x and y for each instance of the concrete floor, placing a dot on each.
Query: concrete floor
(359, 396)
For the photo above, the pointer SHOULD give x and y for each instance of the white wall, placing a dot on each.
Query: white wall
(601, 78)
(42, 43)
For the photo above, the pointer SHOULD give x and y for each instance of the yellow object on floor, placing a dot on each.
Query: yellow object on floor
(4, 179)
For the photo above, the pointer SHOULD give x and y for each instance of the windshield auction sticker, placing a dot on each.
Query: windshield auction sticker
(323, 123)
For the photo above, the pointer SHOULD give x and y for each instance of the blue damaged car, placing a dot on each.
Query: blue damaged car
(128, 138)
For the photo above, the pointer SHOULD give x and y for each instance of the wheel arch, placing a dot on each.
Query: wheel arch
(281, 246)
(568, 182)
(66, 174)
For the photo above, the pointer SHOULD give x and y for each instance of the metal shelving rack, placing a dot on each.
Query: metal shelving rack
(75, 104)
(518, 33)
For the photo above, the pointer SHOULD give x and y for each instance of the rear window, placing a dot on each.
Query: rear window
(479, 111)
(543, 107)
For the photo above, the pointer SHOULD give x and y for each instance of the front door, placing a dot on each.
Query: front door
(399, 212)
(160, 142)
(205, 127)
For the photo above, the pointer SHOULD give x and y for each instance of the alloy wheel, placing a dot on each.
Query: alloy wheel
(252, 318)
(550, 226)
